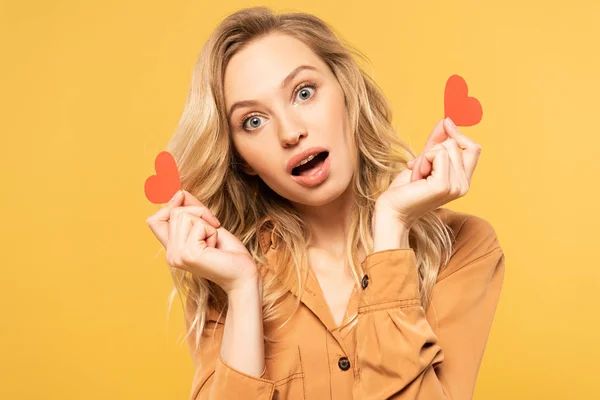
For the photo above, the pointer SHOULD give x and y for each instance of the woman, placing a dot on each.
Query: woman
(331, 271)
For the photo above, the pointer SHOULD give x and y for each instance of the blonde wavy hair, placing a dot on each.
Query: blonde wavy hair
(243, 202)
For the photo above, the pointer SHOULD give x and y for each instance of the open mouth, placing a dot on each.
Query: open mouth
(312, 166)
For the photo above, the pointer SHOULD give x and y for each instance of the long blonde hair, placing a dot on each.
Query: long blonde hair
(216, 179)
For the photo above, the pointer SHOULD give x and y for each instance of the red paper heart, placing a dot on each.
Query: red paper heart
(464, 110)
(161, 187)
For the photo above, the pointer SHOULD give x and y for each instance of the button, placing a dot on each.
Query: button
(365, 281)
(344, 363)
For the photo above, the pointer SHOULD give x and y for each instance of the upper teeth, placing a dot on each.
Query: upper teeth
(306, 160)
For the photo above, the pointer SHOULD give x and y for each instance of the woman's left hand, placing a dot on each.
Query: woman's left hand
(439, 175)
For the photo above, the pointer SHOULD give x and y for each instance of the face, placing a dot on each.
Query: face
(281, 121)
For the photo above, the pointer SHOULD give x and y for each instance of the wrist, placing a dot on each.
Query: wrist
(242, 346)
(389, 233)
(245, 292)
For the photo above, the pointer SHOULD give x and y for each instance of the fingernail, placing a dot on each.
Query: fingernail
(452, 124)
(410, 163)
(420, 165)
(176, 195)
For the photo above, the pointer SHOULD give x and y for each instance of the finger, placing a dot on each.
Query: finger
(180, 225)
(455, 154)
(198, 261)
(207, 263)
(452, 131)
(437, 136)
(201, 212)
(211, 236)
(439, 158)
(443, 173)
(455, 182)
(158, 222)
(181, 221)
(472, 150)
(421, 168)
(202, 235)
(191, 200)
(457, 164)
(415, 176)
(424, 166)
(211, 239)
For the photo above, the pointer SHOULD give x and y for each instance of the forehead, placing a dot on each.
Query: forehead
(260, 66)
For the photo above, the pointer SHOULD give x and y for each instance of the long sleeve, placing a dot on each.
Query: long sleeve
(399, 355)
(214, 379)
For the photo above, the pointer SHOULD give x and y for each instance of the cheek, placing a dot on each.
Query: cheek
(338, 128)
(256, 154)
(333, 120)
(328, 115)
(246, 150)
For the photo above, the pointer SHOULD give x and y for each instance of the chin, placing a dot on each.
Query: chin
(326, 192)
(323, 194)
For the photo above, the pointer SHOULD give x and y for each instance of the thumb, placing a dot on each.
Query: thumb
(204, 237)
(190, 199)
(163, 214)
(415, 168)
(422, 167)
(159, 221)
(203, 232)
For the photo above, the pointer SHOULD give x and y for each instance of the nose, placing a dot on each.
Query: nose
(292, 129)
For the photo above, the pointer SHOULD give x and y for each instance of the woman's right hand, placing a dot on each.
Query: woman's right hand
(196, 242)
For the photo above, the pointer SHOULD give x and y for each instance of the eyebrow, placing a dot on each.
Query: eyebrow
(284, 83)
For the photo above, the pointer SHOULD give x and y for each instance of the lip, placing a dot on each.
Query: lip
(296, 158)
(318, 177)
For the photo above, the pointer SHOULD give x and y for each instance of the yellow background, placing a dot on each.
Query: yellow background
(91, 92)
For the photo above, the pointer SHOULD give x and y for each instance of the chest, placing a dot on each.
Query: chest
(336, 285)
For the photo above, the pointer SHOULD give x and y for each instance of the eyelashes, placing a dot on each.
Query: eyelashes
(310, 85)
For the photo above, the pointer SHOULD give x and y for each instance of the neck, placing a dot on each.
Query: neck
(329, 223)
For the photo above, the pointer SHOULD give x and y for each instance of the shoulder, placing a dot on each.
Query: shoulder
(471, 232)
(474, 237)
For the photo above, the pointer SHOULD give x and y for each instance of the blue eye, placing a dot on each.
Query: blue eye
(254, 119)
(304, 89)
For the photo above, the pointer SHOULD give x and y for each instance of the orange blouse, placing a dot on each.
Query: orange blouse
(394, 350)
